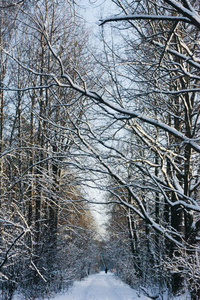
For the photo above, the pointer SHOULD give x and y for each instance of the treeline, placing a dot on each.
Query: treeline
(121, 116)
(152, 62)
(46, 228)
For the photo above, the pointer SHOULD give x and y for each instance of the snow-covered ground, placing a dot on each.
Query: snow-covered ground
(100, 287)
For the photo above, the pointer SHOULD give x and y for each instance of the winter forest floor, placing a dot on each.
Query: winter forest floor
(101, 287)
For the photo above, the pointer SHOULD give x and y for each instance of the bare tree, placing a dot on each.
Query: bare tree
(43, 209)
(141, 126)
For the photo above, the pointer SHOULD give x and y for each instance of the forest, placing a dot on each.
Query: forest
(109, 122)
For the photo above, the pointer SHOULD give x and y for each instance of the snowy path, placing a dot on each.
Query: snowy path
(101, 287)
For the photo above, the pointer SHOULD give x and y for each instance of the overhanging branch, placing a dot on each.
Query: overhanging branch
(145, 17)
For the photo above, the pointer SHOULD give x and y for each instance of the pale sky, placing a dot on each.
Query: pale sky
(93, 10)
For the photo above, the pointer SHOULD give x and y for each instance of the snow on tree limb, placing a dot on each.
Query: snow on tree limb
(141, 211)
(190, 60)
(189, 15)
(144, 17)
(144, 118)
(12, 4)
(10, 247)
(67, 82)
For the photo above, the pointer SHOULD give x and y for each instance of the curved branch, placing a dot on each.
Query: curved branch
(188, 13)
(11, 246)
(145, 17)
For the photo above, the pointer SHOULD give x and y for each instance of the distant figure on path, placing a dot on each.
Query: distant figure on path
(106, 270)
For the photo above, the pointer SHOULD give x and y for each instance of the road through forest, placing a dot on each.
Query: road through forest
(101, 287)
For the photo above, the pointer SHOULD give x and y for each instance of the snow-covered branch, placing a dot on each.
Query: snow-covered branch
(189, 15)
(10, 248)
(144, 17)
